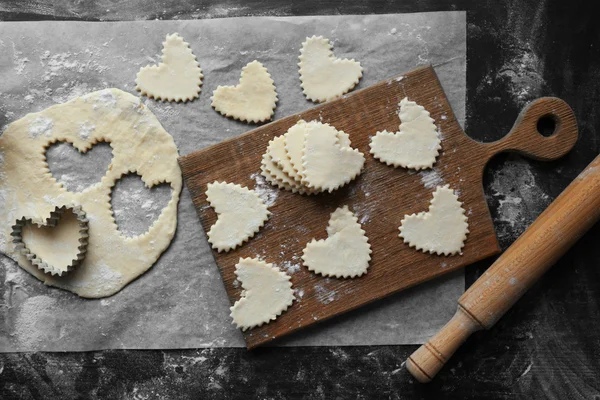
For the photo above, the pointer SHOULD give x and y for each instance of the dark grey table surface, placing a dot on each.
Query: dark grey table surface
(546, 347)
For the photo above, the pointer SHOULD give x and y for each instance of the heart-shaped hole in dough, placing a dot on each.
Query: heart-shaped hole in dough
(77, 170)
(135, 207)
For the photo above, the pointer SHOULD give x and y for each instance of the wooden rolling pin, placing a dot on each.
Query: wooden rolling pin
(529, 257)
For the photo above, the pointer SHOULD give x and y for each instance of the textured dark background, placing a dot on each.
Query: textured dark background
(546, 347)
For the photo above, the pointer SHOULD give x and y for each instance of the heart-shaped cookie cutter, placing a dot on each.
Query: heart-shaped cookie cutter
(52, 221)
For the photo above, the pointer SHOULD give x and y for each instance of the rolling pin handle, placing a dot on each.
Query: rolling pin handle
(426, 362)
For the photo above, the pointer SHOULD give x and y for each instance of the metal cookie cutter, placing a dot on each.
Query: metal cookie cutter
(52, 221)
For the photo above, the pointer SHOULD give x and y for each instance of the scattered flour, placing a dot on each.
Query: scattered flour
(102, 279)
(19, 61)
(85, 130)
(290, 267)
(525, 74)
(163, 111)
(364, 218)
(106, 99)
(324, 296)
(41, 125)
(266, 192)
(430, 178)
(61, 63)
(520, 200)
(36, 322)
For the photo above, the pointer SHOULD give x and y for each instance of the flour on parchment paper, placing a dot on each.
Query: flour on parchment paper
(44, 70)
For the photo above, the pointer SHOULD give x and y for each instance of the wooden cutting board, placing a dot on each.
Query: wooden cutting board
(380, 196)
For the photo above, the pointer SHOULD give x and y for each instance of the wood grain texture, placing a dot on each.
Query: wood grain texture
(380, 197)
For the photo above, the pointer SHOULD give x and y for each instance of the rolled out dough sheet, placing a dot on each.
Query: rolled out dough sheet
(181, 302)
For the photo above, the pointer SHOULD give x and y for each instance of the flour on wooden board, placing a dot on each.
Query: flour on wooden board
(324, 295)
(265, 191)
(430, 178)
(290, 267)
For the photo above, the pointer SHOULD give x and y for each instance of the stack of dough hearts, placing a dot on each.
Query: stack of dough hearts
(310, 158)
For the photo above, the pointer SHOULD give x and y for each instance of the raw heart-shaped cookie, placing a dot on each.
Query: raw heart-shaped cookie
(177, 78)
(276, 151)
(241, 213)
(294, 140)
(442, 230)
(292, 143)
(267, 293)
(325, 77)
(345, 253)
(415, 146)
(328, 162)
(275, 176)
(54, 250)
(252, 100)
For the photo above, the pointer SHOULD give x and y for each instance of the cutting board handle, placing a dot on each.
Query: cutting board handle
(524, 137)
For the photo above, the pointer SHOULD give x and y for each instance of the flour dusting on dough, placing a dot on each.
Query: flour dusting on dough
(85, 130)
(41, 125)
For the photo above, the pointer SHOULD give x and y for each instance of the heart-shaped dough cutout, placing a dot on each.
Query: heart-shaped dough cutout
(328, 162)
(267, 293)
(292, 143)
(252, 100)
(441, 230)
(177, 78)
(273, 175)
(415, 146)
(345, 253)
(241, 213)
(52, 247)
(325, 77)
(276, 152)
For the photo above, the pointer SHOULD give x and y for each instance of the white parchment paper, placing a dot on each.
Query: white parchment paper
(181, 302)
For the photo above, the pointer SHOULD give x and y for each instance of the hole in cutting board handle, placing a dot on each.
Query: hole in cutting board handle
(546, 125)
